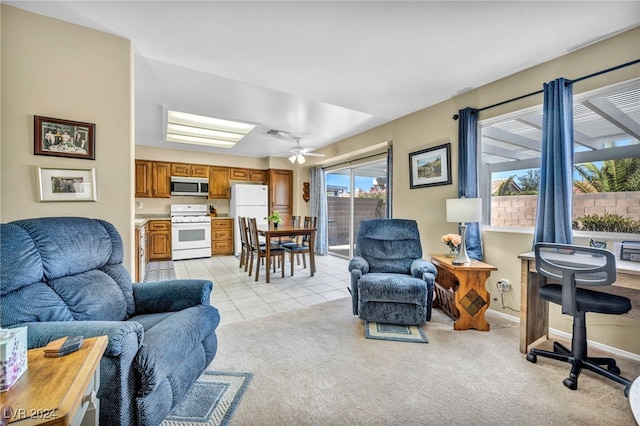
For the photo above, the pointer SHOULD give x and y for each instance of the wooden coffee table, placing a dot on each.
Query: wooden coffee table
(58, 391)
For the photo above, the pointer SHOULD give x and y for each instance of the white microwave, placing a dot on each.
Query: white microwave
(189, 186)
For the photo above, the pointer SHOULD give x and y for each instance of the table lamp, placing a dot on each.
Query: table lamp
(463, 210)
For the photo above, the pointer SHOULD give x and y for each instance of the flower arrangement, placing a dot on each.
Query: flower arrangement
(274, 217)
(452, 241)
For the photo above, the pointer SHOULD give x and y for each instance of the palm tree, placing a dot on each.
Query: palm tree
(618, 175)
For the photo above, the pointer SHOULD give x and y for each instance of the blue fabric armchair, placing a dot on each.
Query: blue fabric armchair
(390, 282)
(63, 276)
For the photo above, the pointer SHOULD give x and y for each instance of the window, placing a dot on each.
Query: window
(606, 156)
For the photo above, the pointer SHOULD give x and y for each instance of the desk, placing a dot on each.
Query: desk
(534, 311)
(471, 296)
(269, 232)
(58, 391)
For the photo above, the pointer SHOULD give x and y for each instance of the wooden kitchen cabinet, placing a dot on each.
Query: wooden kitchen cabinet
(281, 193)
(143, 179)
(221, 236)
(160, 180)
(249, 175)
(152, 179)
(189, 170)
(219, 186)
(159, 237)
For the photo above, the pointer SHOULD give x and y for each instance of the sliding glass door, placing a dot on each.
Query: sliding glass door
(353, 195)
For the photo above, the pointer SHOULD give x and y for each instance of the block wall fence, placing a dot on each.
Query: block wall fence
(520, 210)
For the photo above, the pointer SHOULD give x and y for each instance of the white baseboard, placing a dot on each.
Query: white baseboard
(567, 336)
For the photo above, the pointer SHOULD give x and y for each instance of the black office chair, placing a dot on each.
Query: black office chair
(581, 266)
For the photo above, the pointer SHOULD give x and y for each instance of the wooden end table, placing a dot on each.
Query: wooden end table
(58, 391)
(470, 294)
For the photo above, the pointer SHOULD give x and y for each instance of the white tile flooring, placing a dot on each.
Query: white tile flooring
(239, 297)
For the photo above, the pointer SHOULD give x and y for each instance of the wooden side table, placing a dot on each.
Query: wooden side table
(470, 294)
(58, 391)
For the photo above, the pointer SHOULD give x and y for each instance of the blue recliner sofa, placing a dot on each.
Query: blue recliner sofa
(390, 282)
(64, 276)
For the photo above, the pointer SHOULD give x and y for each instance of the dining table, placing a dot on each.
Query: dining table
(269, 232)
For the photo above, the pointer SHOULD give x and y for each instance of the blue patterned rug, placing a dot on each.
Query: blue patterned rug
(211, 401)
(396, 332)
(159, 271)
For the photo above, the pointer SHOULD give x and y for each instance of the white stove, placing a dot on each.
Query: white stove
(190, 231)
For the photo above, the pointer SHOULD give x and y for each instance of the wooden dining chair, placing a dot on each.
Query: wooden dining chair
(244, 244)
(292, 240)
(260, 251)
(303, 246)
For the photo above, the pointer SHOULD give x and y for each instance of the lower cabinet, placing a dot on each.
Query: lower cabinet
(159, 238)
(221, 236)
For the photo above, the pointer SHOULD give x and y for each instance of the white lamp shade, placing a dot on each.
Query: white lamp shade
(464, 210)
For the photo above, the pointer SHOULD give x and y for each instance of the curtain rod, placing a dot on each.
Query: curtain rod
(354, 160)
(595, 74)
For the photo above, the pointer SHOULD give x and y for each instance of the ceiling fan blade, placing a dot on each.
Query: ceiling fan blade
(313, 154)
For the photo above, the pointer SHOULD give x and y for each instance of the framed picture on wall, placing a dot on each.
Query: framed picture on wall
(66, 184)
(63, 138)
(430, 167)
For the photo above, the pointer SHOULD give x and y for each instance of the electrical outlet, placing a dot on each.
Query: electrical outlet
(504, 285)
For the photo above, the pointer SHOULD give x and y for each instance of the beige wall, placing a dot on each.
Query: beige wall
(434, 125)
(55, 69)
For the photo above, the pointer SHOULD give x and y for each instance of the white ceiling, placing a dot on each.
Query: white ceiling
(328, 70)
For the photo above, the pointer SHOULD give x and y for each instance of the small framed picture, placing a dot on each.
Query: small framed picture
(68, 184)
(63, 138)
(430, 167)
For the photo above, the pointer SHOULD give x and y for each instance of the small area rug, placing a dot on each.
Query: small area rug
(399, 333)
(211, 401)
(159, 271)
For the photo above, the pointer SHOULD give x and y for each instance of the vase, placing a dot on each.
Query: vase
(451, 252)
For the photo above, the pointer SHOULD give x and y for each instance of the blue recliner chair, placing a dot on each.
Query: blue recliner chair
(390, 282)
(63, 276)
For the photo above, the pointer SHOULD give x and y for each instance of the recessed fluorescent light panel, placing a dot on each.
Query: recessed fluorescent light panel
(194, 129)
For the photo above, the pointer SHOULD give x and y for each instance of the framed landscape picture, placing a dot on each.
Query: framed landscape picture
(430, 167)
(63, 138)
(66, 184)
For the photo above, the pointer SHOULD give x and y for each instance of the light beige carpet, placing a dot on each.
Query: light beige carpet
(314, 366)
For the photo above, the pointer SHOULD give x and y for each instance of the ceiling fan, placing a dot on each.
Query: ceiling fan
(297, 153)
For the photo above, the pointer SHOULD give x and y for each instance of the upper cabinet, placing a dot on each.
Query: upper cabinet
(160, 180)
(219, 187)
(189, 170)
(281, 193)
(249, 175)
(152, 179)
(143, 178)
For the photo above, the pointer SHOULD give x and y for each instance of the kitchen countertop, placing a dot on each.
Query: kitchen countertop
(141, 219)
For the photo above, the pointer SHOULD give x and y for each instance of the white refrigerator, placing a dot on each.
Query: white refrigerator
(247, 201)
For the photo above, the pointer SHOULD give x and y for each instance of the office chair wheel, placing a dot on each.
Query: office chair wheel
(626, 391)
(533, 358)
(571, 383)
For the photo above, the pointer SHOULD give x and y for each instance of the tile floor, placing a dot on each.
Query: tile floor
(239, 297)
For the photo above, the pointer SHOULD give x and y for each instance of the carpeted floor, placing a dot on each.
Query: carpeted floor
(314, 366)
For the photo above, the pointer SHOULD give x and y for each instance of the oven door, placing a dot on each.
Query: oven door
(186, 236)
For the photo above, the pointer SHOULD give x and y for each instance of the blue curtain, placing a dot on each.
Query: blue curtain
(318, 208)
(555, 201)
(468, 173)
